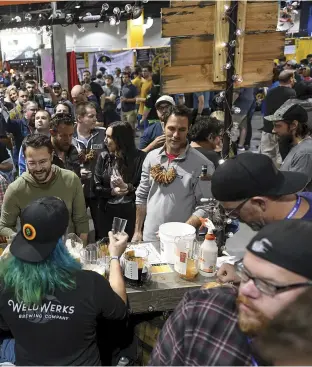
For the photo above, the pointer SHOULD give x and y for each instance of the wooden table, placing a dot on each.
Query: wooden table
(163, 293)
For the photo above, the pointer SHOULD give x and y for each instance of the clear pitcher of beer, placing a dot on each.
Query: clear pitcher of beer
(186, 257)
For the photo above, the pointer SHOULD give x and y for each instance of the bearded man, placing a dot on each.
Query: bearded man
(217, 327)
(44, 179)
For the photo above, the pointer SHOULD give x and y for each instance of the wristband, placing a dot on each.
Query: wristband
(114, 258)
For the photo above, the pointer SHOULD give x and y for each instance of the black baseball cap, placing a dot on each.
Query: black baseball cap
(43, 223)
(289, 111)
(56, 85)
(253, 174)
(285, 243)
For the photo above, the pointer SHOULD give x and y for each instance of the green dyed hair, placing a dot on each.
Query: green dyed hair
(32, 282)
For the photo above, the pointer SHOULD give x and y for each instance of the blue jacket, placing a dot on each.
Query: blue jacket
(20, 129)
(150, 134)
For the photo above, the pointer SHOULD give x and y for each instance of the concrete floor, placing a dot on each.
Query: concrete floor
(236, 245)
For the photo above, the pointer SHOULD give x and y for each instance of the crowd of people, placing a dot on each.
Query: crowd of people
(85, 155)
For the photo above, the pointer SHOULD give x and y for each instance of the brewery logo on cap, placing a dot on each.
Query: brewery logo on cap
(29, 232)
(263, 246)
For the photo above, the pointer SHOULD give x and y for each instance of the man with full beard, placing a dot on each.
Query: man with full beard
(44, 179)
(290, 125)
(216, 327)
(65, 153)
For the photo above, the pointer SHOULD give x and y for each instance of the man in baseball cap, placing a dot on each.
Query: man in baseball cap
(43, 223)
(253, 190)
(216, 327)
(44, 291)
(153, 136)
(290, 124)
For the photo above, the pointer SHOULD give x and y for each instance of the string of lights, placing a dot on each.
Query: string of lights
(232, 78)
(107, 13)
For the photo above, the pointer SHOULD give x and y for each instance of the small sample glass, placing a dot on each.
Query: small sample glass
(119, 225)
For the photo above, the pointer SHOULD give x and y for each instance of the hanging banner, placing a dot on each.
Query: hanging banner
(290, 46)
(144, 56)
(107, 61)
(157, 57)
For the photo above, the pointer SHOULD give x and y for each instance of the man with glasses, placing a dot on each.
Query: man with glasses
(217, 327)
(292, 65)
(44, 179)
(251, 189)
(154, 136)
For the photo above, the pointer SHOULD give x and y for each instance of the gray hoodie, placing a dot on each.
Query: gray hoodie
(175, 202)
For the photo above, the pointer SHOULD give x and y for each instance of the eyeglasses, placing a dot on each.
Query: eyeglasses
(234, 213)
(41, 164)
(163, 108)
(263, 286)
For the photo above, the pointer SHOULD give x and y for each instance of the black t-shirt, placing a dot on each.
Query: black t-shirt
(150, 102)
(4, 155)
(97, 91)
(210, 154)
(273, 101)
(62, 331)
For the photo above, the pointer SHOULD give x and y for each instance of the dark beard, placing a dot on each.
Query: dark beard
(285, 143)
(255, 226)
(61, 148)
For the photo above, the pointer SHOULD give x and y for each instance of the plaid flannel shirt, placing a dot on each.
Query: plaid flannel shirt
(203, 331)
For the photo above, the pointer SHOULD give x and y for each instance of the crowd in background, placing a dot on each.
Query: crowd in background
(114, 144)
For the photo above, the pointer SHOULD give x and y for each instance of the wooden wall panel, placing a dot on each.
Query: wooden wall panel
(267, 46)
(188, 3)
(261, 16)
(189, 79)
(199, 50)
(191, 51)
(192, 21)
(221, 35)
(199, 19)
(192, 56)
(257, 73)
(198, 78)
(241, 24)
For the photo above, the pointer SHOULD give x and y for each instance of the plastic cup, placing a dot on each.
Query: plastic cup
(119, 225)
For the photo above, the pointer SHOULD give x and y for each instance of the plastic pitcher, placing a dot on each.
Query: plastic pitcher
(167, 235)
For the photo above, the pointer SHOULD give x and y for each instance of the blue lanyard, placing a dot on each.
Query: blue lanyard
(253, 360)
(294, 209)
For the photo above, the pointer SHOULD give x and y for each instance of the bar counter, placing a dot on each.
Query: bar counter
(163, 292)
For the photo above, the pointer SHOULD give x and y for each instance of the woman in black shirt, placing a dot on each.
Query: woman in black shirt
(117, 175)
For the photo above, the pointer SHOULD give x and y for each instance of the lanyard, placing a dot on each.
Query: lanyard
(253, 360)
(294, 209)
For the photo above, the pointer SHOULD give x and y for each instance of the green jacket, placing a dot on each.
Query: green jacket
(65, 185)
